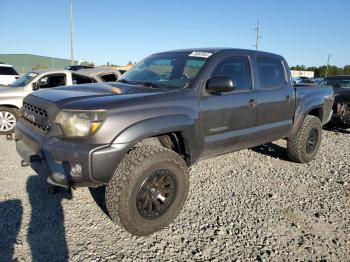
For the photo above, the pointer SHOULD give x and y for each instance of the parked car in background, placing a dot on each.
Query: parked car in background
(7, 74)
(102, 74)
(316, 80)
(341, 86)
(77, 67)
(139, 136)
(302, 81)
(11, 96)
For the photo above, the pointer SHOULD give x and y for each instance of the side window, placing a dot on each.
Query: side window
(79, 79)
(236, 68)
(271, 73)
(109, 78)
(49, 81)
(7, 70)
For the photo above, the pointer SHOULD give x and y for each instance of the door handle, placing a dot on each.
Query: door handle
(252, 103)
(289, 98)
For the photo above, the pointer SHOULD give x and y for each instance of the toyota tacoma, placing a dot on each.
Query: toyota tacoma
(139, 136)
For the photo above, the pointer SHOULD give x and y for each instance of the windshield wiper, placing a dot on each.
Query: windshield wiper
(144, 83)
(150, 84)
(127, 82)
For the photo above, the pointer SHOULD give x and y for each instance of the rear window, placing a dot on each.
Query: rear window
(109, 78)
(79, 79)
(271, 73)
(6, 70)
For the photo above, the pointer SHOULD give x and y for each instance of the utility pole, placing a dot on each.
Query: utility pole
(329, 57)
(71, 33)
(257, 29)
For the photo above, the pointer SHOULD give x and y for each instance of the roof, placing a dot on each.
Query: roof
(49, 71)
(214, 50)
(96, 70)
(87, 72)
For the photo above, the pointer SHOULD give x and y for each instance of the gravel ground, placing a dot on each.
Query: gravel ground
(249, 205)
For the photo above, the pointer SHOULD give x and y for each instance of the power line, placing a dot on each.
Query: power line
(71, 32)
(329, 57)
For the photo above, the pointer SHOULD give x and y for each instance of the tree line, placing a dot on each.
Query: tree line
(321, 70)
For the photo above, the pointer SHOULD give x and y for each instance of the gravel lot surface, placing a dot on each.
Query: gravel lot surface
(249, 205)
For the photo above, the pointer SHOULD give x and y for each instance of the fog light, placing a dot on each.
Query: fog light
(76, 170)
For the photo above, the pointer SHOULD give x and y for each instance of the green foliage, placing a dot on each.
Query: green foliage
(40, 67)
(321, 70)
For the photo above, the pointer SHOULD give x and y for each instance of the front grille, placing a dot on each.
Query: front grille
(36, 116)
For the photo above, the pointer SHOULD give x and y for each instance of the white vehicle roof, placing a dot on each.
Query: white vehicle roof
(5, 65)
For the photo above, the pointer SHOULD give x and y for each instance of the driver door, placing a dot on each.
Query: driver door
(228, 120)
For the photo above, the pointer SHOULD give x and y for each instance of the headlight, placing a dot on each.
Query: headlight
(80, 123)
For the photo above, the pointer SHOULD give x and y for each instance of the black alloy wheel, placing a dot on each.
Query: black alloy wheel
(156, 194)
(312, 141)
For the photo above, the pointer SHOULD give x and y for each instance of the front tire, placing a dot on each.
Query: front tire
(148, 189)
(304, 145)
(8, 120)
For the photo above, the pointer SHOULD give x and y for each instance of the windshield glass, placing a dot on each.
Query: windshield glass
(174, 70)
(336, 82)
(23, 80)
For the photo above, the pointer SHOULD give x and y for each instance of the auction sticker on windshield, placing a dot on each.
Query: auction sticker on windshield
(200, 54)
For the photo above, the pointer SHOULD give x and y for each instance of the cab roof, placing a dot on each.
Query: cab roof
(215, 50)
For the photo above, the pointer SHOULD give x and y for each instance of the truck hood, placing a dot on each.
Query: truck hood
(95, 95)
(6, 91)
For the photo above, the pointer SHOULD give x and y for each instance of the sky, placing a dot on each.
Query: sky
(114, 31)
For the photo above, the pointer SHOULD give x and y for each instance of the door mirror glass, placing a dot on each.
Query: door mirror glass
(35, 86)
(220, 84)
(43, 81)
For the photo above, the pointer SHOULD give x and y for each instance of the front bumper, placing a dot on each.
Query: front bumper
(67, 163)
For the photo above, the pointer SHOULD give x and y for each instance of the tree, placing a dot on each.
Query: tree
(322, 70)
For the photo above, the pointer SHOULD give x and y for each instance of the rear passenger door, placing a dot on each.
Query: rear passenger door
(276, 99)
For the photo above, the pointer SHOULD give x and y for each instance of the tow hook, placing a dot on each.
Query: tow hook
(33, 158)
(9, 137)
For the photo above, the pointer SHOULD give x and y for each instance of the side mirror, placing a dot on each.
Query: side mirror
(43, 81)
(220, 84)
(35, 86)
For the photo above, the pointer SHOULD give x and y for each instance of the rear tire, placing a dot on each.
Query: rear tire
(8, 120)
(304, 145)
(148, 189)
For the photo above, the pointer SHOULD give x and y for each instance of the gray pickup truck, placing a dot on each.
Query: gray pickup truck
(139, 136)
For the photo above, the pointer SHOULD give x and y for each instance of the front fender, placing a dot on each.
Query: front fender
(161, 125)
(11, 101)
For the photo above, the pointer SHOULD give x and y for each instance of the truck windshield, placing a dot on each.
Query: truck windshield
(173, 70)
(23, 80)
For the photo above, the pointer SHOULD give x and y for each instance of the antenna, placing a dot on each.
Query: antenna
(257, 29)
(71, 33)
(329, 57)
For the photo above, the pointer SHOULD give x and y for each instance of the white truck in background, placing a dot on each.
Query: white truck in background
(11, 95)
(7, 74)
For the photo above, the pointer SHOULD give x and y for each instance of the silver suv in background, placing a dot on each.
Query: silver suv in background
(11, 96)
